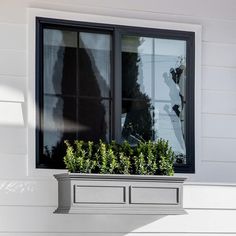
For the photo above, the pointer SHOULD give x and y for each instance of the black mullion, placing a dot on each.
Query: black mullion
(153, 84)
(77, 83)
(75, 96)
(111, 89)
(190, 94)
(117, 85)
(134, 99)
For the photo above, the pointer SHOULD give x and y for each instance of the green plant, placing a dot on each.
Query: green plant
(147, 158)
(108, 161)
(70, 159)
(166, 158)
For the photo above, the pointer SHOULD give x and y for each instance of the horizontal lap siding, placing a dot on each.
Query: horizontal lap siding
(13, 126)
(219, 79)
(13, 140)
(12, 166)
(42, 219)
(12, 89)
(27, 203)
(219, 126)
(33, 192)
(13, 36)
(13, 62)
(218, 149)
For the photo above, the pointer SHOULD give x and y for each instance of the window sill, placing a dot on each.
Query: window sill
(119, 194)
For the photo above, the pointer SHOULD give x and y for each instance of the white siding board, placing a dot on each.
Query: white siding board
(214, 29)
(43, 220)
(218, 78)
(209, 196)
(218, 31)
(193, 12)
(13, 11)
(13, 36)
(11, 114)
(218, 54)
(32, 192)
(217, 171)
(218, 126)
(198, 221)
(13, 140)
(28, 192)
(12, 89)
(202, 8)
(12, 166)
(218, 149)
(219, 102)
(13, 62)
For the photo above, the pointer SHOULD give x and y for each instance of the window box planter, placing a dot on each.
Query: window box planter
(119, 194)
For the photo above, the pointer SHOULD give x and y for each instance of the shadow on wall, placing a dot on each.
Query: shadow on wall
(104, 224)
(39, 198)
(13, 115)
(12, 99)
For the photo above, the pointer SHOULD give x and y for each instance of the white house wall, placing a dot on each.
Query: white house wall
(27, 201)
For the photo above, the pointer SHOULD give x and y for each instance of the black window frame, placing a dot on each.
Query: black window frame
(117, 31)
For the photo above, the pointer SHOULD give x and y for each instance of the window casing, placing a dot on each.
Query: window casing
(117, 58)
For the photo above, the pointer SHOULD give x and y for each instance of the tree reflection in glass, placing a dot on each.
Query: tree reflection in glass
(153, 91)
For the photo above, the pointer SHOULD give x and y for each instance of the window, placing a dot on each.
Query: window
(111, 82)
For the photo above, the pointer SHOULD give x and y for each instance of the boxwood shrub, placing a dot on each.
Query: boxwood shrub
(146, 158)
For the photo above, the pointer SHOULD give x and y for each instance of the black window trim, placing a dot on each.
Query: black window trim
(116, 31)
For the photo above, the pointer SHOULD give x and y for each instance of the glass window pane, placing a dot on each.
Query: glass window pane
(59, 55)
(94, 64)
(170, 93)
(94, 119)
(59, 119)
(154, 90)
(137, 121)
(136, 66)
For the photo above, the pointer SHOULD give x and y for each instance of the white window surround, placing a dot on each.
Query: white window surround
(33, 13)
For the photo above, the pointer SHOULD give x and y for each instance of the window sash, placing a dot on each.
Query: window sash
(116, 33)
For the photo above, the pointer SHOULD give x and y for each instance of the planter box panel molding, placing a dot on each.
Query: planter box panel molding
(99, 194)
(119, 194)
(153, 195)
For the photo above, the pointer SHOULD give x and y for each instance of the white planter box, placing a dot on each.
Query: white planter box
(119, 194)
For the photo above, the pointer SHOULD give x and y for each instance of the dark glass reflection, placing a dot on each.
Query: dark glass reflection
(59, 124)
(137, 122)
(94, 64)
(93, 116)
(59, 62)
(71, 74)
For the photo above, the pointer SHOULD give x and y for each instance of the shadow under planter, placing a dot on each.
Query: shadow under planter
(119, 194)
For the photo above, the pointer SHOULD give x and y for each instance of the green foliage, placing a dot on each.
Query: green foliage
(108, 162)
(70, 159)
(124, 164)
(167, 158)
(147, 158)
